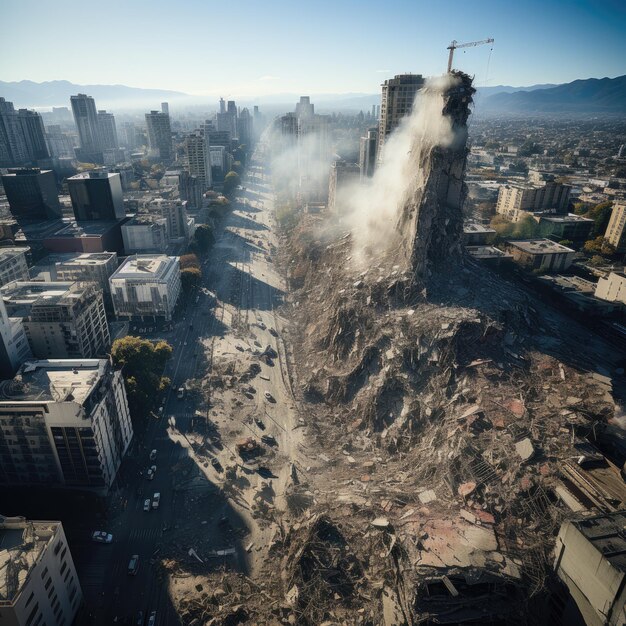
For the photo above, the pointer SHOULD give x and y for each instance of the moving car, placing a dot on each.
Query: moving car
(133, 564)
(269, 396)
(153, 454)
(146, 504)
(152, 620)
(156, 498)
(101, 536)
(150, 474)
(181, 393)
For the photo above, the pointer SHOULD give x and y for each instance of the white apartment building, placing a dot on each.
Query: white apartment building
(64, 423)
(146, 286)
(13, 265)
(199, 158)
(179, 224)
(612, 287)
(517, 201)
(38, 581)
(616, 230)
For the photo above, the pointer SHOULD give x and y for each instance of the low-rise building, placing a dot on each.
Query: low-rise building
(64, 423)
(38, 580)
(477, 234)
(612, 287)
(146, 286)
(13, 265)
(590, 558)
(542, 255)
(145, 234)
(61, 319)
(570, 227)
(517, 201)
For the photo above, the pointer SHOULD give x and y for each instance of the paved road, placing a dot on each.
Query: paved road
(233, 271)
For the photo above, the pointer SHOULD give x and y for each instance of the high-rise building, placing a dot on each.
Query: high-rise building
(14, 346)
(616, 230)
(13, 148)
(130, 135)
(174, 212)
(244, 124)
(397, 101)
(222, 106)
(159, 135)
(145, 234)
(34, 134)
(86, 120)
(231, 110)
(59, 143)
(96, 195)
(314, 156)
(62, 320)
(146, 286)
(342, 176)
(32, 193)
(219, 138)
(367, 153)
(38, 580)
(197, 147)
(304, 108)
(108, 131)
(165, 108)
(64, 423)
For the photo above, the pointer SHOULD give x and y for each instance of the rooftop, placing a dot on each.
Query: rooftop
(29, 293)
(570, 218)
(477, 228)
(487, 252)
(94, 174)
(7, 253)
(144, 266)
(77, 258)
(21, 545)
(53, 380)
(540, 246)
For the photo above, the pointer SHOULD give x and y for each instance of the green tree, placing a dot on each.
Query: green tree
(600, 214)
(526, 228)
(231, 182)
(190, 278)
(142, 363)
(237, 167)
(599, 245)
(203, 237)
(189, 260)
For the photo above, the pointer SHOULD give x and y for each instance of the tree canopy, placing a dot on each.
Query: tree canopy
(203, 237)
(190, 278)
(189, 260)
(142, 364)
(231, 181)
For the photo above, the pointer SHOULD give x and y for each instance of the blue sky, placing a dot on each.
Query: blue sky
(246, 48)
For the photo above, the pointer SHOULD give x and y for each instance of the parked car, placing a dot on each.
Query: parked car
(133, 564)
(146, 504)
(101, 536)
(153, 468)
(269, 396)
(153, 454)
(269, 440)
(156, 498)
(150, 474)
(152, 619)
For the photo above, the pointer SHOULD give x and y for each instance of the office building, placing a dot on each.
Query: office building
(179, 224)
(314, 155)
(59, 143)
(367, 153)
(107, 130)
(222, 106)
(541, 255)
(342, 177)
(165, 108)
(244, 127)
(62, 320)
(304, 108)
(14, 346)
(64, 423)
(159, 135)
(218, 138)
(32, 193)
(517, 201)
(94, 267)
(146, 287)
(34, 134)
(145, 234)
(220, 166)
(96, 195)
(398, 95)
(86, 120)
(616, 229)
(13, 149)
(197, 148)
(231, 111)
(13, 265)
(38, 581)
(570, 227)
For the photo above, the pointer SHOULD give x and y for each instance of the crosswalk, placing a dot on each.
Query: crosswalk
(145, 534)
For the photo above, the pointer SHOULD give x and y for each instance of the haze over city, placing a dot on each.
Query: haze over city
(313, 314)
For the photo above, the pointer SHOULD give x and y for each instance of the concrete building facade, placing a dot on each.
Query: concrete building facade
(159, 135)
(542, 255)
(64, 423)
(342, 176)
(38, 581)
(32, 193)
(14, 346)
(367, 153)
(61, 319)
(13, 265)
(86, 120)
(517, 201)
(398, 95)
(146, 286)
(612, 287)
(145, 234)
(199, 158)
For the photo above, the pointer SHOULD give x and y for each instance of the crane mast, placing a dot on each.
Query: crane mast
(472, 44)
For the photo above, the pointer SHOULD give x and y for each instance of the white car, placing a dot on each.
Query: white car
(146, 504)
(101, 536)
(156, 498)
(153, 455)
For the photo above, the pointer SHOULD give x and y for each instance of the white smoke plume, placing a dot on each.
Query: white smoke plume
(371, 209)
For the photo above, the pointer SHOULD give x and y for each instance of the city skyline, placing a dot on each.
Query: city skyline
(280, 51)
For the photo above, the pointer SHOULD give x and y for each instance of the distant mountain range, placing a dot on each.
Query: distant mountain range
(605, 95)
(26, 93)
(593, 95)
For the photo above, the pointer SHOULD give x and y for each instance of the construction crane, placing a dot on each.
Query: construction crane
(454, 45)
